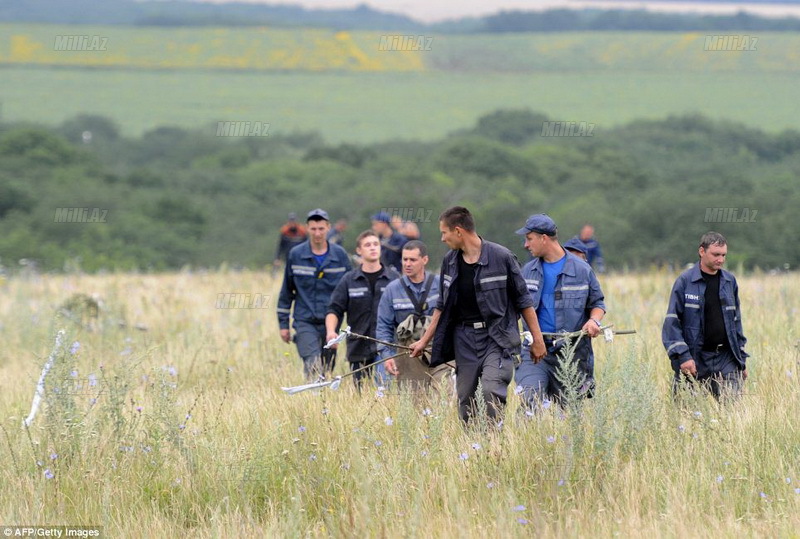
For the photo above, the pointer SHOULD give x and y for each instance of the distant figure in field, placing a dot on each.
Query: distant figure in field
(336, 234)
(313, 270)
(292, 234)
(702, 331)
(391, 242)
(409, 229)
(594, 256)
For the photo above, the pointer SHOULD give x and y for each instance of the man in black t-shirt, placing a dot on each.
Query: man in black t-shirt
(358, 295)
(475, 322)
(702, 331)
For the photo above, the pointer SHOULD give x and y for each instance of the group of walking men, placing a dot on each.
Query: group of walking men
(467, 317)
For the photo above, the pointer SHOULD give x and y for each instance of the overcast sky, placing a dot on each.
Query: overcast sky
(438, 10)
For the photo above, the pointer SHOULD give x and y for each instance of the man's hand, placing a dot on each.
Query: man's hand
(538, 350)
(286, 336)
(417, 348)
(328, 338)
(591, 328)
(744, 374)
(391, 367)
(688, 367)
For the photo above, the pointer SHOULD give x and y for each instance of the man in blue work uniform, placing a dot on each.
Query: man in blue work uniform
(475, 322)
(567, 298)
(313, 270)
(575, 246)
(702, 331)
(404, 314)
(358, 295)
(391, 241)
(594, 256)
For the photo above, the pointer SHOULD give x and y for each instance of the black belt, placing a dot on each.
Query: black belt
(716, 349)
(473, 325)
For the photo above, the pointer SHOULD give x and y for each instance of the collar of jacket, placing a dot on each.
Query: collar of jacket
(569, 264)
(483, 259)
(695, 275)
(406, 280)
(307, 253)
(358, 273)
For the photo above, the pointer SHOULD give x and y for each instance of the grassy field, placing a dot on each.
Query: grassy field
(342, 85)
(182, 429)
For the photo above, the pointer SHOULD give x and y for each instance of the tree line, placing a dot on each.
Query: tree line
(82, 195)
(178, 13)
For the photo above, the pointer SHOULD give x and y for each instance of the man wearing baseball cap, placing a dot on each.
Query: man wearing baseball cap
(313, 269)
(575, 246)
(567, 298)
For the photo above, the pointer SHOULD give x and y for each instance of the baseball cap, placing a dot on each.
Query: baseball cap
(317, 214)
(292, 216)
(382, 216)
(541, 223)
(576, 244)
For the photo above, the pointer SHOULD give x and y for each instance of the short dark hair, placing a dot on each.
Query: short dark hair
(366, 234)
(712, 238)
(458, 216)
(416, 244)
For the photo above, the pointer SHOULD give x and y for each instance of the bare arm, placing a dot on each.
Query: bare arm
(538, 349)
(420, 345)
(331, 321)
(591, 327)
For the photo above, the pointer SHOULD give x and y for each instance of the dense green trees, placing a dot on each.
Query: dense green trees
(176, 197)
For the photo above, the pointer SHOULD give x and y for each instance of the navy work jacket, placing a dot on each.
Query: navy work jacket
(500, 292)
(309, 286)
(682, 333)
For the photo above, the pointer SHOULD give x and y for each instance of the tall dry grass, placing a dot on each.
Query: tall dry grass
(183, 428)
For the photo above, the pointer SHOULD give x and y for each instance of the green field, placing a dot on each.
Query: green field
(342, 86)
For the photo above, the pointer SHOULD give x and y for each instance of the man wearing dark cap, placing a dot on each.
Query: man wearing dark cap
(575, 246)
(482, 295)
(702, 331)
(313, 270)
(391, 241)
(292, 234)
(567, 298)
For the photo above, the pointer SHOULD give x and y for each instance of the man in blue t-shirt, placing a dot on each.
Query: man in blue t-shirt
(567, 298)
(313, 269)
